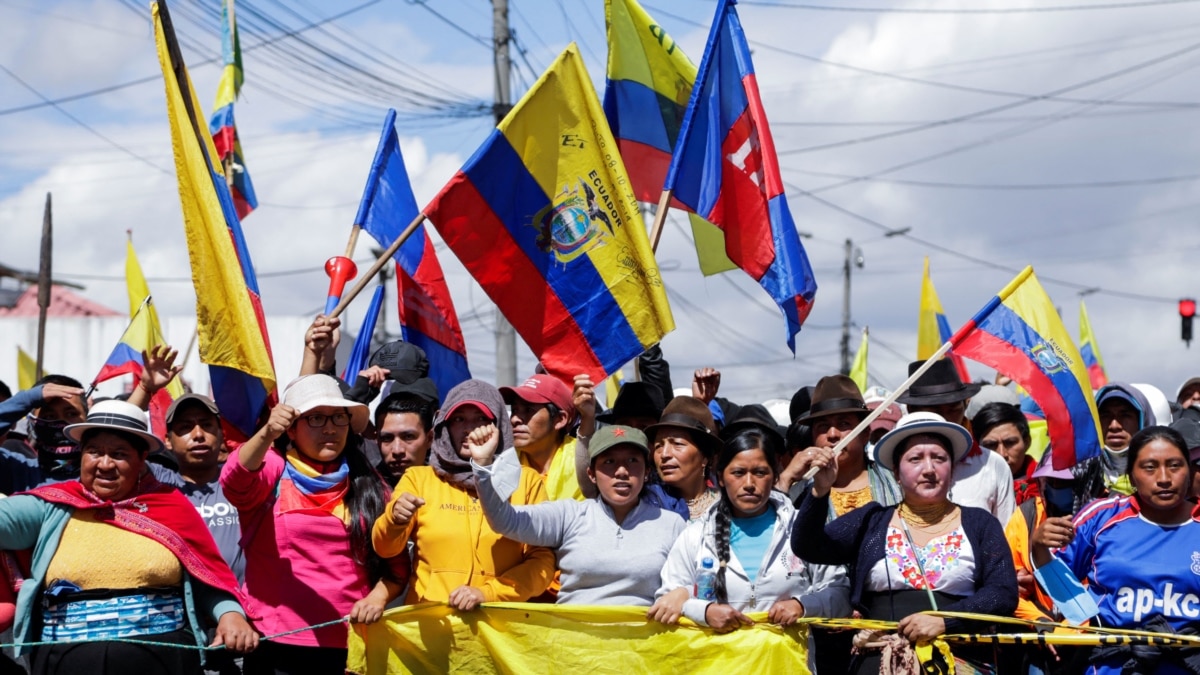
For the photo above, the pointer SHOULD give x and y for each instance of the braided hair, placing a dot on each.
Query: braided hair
(749, 438)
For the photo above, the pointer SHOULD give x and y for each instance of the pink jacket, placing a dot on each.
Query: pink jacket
(300, 570)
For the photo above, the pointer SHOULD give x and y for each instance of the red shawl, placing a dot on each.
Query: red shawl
(161, 513)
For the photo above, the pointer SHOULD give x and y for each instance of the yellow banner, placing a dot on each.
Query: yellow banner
(528, 638)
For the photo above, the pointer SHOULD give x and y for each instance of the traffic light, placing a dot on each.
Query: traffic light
(1187, 310)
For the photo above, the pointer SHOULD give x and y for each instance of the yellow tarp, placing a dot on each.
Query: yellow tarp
(532, 638)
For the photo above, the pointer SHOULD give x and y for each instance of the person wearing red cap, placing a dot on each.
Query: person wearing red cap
(542, 415)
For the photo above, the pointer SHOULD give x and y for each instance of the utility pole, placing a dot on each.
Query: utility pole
(506, 336)
(853, 256)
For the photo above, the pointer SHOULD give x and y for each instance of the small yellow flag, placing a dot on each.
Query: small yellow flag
(26, 370)
(858, 370)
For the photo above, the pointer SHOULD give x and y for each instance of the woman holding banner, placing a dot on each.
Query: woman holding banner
(610, 549)
(306, 497)
(1138, 554)
(925, 553)
(744, 540)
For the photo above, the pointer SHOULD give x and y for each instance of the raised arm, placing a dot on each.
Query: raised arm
(320, 345)
(158, 370)
(538, 524)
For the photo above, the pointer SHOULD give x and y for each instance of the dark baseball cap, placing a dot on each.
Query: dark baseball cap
(201, 399)
(404, 361)
(422, 388)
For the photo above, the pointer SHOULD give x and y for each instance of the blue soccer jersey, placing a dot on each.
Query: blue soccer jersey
(1136, 569)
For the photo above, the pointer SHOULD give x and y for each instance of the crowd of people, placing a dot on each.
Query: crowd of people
(127, 550)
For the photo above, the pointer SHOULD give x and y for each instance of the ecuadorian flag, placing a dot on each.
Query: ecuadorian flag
(229, 317)
(1020, 334)
(222, 125)
(1090, 350)
(544, 218)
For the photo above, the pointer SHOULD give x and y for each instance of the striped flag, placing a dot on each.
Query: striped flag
(222, 125)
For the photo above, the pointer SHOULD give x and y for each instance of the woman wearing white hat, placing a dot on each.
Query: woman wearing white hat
(118, 558)
(306, 509)
(926, 552)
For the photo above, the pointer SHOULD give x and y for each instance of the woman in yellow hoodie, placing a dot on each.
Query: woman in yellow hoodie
(437, 508)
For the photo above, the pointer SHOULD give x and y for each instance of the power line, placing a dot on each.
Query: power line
(85, 125)
(970, 10)
(1132, 182)
(1027, 98)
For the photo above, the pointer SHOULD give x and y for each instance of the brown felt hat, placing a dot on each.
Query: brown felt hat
(690, 413)
(835, 394)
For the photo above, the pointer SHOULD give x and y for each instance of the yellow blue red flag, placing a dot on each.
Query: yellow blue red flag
(932, 327)
(144, 332)
(229, 317)
(222, 125)
(1090, 350)
(1020, 334)
(648, 84)
(543, 217)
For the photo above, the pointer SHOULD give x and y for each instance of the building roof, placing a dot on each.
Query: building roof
(63, 302)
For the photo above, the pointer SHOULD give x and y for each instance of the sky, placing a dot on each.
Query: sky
(985, 135)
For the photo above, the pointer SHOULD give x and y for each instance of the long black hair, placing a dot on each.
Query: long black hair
(366, 498)
(749, 438)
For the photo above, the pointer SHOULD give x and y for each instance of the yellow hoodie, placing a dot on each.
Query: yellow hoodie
(455, 546)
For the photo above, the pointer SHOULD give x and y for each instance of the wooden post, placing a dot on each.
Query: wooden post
(44, 280)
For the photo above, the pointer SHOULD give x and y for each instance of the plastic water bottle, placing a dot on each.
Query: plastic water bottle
(706, 580)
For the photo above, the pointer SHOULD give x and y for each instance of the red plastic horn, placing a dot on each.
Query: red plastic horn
(340, 269)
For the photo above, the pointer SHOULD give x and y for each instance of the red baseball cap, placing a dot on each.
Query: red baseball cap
(542, 388)
(887, 419)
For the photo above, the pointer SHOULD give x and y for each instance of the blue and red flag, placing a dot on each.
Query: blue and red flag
(360, 354)
(543, 217)
(1020, 334)
(725, 169)
(222, 125)
(230, 325)
(427, 313)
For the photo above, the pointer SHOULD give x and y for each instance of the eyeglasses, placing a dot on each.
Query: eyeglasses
(341, 419)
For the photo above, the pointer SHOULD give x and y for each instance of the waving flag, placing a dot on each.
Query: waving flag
(427, 315)
(361, 353)
(26, 370)
(932, 327)
(645, 95)
(229, 317)
(725, 169)
(222, 125)
(543, 217)
(1090, 350)
(1020, 334)
(144, 332)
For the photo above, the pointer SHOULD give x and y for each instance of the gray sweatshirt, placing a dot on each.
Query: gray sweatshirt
(602, 563)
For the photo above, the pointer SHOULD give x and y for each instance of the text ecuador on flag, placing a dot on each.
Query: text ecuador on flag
(544, 218)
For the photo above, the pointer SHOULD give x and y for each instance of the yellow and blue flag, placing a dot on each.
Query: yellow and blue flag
(229, 316)
(543, 217)
(144, 331)
(1020, 334)
(222, 125)
(1090, 350)
(649, 81)
(932, 327)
